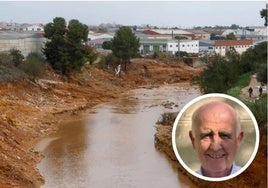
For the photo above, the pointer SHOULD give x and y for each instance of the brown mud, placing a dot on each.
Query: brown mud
(29, 111)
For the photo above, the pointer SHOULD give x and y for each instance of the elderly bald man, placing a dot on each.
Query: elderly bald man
(216, 135)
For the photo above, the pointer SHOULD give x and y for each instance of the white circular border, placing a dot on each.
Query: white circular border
(176, 124)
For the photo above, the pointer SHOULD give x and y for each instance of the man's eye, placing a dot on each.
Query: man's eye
(225, 135)
(205, 136)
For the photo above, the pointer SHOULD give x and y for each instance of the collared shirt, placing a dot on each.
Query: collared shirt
(235, 168)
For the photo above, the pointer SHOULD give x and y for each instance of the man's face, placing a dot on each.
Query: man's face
(216, 141)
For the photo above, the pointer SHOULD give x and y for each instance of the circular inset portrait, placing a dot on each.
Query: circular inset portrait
(215, 137)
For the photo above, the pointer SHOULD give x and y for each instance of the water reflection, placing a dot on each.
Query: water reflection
(113, 146)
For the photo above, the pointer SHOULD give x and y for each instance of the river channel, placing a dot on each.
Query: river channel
(113, 145)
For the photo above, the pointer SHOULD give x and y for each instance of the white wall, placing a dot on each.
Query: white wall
(221, 50)
(191, 46)
(172, 47)
(99, 36)
(34, 28)
(26, 45)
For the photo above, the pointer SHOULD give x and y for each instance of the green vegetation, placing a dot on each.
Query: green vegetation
(125, 45)
(107, 45)
(259, 109)
(16, 56)
(232, 73)
(13, 67)
(222, 74)
(262, 73)
(242, 82)
(65, 50)
(34, 66)
(263, 14)
(231, 36)
(107, 62)
(219, 76)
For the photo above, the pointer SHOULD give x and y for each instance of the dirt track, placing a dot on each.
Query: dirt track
(255, 86)
(29, 110)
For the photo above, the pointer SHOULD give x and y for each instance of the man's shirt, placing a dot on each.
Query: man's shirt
(235, 168)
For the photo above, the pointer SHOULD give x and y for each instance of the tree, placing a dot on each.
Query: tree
(234, 26)
(218, 77)
(263, 14)
(55, 48)
(34, 66)
(107, 45)
(247, 63)
(77, 35)
(125, 45)
(262, 74)
(17, 57)
(232, 55)
(212, 36)
(231, 36)
(65, 50)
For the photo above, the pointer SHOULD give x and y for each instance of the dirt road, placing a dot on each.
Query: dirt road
(255, 85)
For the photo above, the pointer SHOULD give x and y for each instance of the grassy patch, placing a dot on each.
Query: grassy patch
(259, 109)
(242, 82)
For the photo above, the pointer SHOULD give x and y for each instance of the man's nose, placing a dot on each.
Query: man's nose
(216, 143)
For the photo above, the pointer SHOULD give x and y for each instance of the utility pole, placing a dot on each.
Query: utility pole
(179, 49)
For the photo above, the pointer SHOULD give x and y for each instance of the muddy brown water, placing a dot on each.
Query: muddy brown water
(113, 146)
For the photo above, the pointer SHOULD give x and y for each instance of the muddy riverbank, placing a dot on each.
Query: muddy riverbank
(113, 145)
(29, 111)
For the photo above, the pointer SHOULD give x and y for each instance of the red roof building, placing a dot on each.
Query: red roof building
(240, 46)
(233, 42)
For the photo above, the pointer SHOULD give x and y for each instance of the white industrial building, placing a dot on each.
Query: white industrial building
(151, 45)
(25, 42)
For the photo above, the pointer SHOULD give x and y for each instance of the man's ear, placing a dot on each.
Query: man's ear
(240, 138)
(192, 138)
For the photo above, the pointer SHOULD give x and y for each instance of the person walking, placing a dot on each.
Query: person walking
(250, 91)
(260, 91)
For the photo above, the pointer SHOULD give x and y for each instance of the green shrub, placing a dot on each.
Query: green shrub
(102, 64)
(8, 72)
(5, 59)
(16, 56)
(33, 66)
(219, 76)
(262, 74)
(259, 109)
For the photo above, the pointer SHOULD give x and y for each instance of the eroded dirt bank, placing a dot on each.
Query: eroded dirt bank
(30, 110)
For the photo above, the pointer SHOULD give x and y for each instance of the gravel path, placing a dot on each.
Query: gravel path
(255, 86)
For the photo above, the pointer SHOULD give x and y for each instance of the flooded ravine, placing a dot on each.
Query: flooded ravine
(113, 146)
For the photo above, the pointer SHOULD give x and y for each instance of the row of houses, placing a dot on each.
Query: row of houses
(174, 41)
(220, 47)
(6, 26)
(170, 41)
(253, 33)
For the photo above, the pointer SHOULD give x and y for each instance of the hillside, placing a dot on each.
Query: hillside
(31, 110)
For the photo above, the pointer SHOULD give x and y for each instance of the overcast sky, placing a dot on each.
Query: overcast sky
(183, 14)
